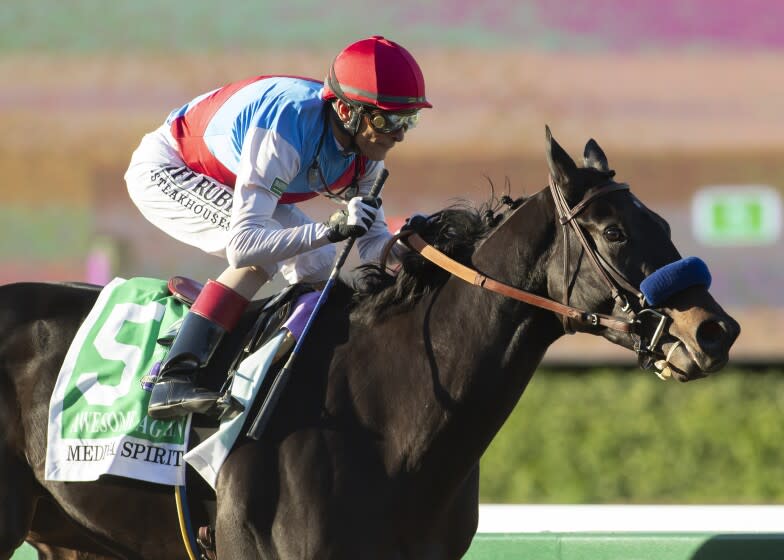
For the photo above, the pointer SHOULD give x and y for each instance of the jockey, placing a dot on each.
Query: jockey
(225, 171)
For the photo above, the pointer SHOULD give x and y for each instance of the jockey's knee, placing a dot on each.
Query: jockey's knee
(245, 281)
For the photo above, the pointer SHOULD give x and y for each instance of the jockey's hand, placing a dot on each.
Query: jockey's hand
(416, 223)
(355, 220)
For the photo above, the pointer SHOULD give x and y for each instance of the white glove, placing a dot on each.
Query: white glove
(355, 220)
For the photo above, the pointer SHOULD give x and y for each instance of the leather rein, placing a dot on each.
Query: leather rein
(616, 282)
(478, 279)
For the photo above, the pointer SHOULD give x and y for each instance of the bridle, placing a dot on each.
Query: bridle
(644, 320)
(645, 323)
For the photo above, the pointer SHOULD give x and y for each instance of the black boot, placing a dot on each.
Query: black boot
(175, 392)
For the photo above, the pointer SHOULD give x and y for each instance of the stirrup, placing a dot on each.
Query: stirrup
(227, 406)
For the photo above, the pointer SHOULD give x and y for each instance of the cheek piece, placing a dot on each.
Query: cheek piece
(673, 278)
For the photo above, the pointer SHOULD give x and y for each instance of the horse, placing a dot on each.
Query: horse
(403, 381)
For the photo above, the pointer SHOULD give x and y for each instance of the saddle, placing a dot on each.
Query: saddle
(271, 313)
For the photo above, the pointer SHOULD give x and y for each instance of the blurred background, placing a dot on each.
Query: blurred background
(685, 96)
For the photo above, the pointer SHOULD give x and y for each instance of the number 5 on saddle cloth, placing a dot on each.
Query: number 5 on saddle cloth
(98, 422)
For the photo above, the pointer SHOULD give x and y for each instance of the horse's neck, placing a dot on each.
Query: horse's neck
(478, 352)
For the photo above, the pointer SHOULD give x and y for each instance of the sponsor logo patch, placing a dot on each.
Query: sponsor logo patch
(278, 187)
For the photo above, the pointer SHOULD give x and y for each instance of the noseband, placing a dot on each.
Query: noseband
(646, 324)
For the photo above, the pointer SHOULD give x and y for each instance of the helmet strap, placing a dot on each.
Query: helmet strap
(351, 126)
(357, 109)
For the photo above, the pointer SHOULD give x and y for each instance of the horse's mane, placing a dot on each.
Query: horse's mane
(455, 231)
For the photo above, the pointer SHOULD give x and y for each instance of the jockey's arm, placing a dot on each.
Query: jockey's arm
(255, 237)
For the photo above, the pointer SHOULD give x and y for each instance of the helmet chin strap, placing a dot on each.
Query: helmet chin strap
(357, 109)
(351, 127)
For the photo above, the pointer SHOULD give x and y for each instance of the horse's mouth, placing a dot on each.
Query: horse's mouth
(685, 364)
(681, 376)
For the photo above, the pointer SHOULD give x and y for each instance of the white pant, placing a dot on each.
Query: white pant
(196, 209)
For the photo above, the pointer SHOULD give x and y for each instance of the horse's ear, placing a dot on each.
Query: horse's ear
(562, 168)
(593, 156)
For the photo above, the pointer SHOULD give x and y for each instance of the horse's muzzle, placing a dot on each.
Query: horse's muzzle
(705, 351)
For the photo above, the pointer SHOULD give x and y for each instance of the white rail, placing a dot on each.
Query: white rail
(630, 518)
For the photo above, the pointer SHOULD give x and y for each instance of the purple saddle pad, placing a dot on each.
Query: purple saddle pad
(302, 311)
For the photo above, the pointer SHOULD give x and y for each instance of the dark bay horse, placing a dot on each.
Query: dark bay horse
(373, 451)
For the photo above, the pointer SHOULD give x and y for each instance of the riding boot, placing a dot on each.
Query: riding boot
(215, 312)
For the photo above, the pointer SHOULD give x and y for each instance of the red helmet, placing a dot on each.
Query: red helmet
(378, 72)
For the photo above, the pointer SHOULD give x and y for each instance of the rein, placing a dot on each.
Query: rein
(478, 279)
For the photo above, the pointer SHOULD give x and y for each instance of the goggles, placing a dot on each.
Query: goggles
(386, 123)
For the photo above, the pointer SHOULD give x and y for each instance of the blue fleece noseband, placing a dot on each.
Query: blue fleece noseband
(675, 277)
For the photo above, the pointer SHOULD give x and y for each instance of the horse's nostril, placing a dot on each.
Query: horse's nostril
(711, 334)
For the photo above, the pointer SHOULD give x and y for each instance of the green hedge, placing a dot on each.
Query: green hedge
(610, 436)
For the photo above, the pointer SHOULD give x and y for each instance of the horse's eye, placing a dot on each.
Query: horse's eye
(614, 234)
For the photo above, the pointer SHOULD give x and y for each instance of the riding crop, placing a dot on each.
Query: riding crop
(281, 379)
